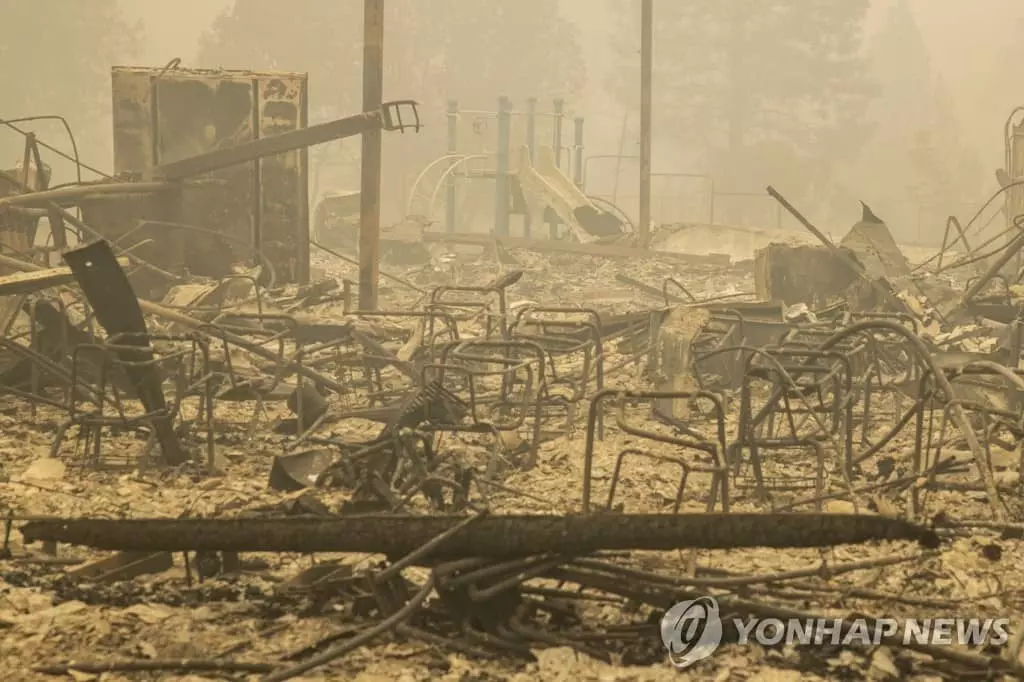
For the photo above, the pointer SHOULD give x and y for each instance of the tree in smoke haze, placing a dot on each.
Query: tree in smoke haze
(434, 50)
(945, 174)
(916, 168)
(997, 87)
(756, 90)
(55, 58)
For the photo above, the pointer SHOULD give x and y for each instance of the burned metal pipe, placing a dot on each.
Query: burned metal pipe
(79, 192)
(269, 146)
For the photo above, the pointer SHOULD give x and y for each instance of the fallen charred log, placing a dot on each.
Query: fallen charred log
(492, 536)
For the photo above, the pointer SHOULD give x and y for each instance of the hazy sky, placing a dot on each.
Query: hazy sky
(964, 38)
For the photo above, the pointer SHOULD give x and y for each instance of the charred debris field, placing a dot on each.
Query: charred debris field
(511, 469)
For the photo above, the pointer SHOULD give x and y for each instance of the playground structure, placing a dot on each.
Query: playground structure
(1013, 142)
(510, 164)
(506, 163)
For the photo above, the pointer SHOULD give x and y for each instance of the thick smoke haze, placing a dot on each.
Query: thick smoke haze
(936, 155)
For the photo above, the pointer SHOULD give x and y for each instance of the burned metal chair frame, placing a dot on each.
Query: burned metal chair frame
(787, 384)
(513, 357)
(861, 367)
(929, 451)
(39, 362)
(374, 359)
(404, 458)
(33, 343)
(764, 485)
(563, 345)
(281, 337)
(433, 336)
(438, 301)
(877, 369)
(713, 448)
(724, 347)
(189, 381)
(636, 452)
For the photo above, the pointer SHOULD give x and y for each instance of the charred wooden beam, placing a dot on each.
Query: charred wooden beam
(492, 536)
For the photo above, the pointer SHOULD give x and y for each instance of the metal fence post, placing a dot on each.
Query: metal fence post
(453, 147)
(557, 144)
(501, 190)
(577, 171)
(531, 145)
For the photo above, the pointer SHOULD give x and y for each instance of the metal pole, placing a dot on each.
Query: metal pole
(711, 201)
(453, 147)
(556, 142)
(622, 152)
(646, 54)
(577, 171)
(531, 145)
(369, 198)
(1009, 253)
(501, 190)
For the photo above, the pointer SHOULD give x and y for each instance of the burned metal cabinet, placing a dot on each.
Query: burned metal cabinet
(261, 206)
(283, 187)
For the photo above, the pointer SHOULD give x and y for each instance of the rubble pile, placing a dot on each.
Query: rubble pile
(513, 466)
(509, 471)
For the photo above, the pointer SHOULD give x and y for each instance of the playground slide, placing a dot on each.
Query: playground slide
(545, 186)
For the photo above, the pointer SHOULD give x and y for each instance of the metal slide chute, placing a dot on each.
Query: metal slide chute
(546, 187)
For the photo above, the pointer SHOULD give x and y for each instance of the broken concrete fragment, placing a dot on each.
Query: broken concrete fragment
(673, 356)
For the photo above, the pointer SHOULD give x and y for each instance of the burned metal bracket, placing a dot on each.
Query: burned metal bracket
(110, 294)
(391, 115)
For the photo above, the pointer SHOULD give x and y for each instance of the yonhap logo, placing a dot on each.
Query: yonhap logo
(691, 631)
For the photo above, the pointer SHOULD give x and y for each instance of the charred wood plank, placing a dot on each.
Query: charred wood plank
(492, 536)
(19, 283)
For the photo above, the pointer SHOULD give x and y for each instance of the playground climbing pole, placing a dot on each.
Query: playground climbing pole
(502, 133)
